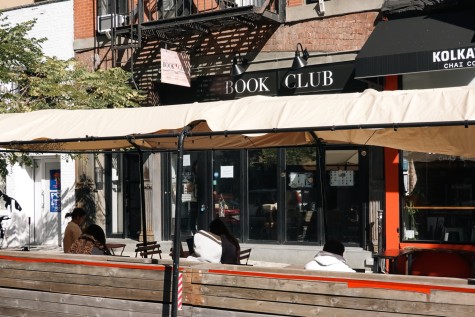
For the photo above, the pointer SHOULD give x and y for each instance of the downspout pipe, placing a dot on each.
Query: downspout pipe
(178, 204)
(142, 191)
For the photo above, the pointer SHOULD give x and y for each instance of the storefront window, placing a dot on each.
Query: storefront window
(343, 196)
(438, 201)
(278, 195)
(117, 214)
(193, 210)
(263, 197)
(302, 207)
(227, 189)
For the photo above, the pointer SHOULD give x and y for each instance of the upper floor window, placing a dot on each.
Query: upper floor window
(107, 6)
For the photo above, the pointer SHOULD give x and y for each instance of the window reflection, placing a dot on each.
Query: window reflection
(438, 204)
(263, 208)
(343, 199)
(226, 189)
(301, 198)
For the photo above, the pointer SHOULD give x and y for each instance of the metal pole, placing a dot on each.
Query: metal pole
(142, 192)
(142, 200)
(380, 231)
(177, 238)
(380, 263)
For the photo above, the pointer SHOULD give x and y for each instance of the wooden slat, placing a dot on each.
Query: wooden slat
(311, 287)
(286, 309)
(73, 305)
(109, 271)
(25, 312)
(77, 289)
(66, 278)
(207, 312)
(11, 295)
(358, 303)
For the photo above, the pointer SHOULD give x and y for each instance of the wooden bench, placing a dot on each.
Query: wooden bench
(151, 248)
(244, 255)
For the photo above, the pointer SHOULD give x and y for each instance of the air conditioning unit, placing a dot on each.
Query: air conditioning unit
(106, 22)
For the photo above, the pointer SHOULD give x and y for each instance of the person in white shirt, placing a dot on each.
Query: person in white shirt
(330, 259)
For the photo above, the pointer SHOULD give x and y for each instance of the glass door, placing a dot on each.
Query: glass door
(194, 199)
(226, 185)
(303, 220)
(343, 210)
(263, 209)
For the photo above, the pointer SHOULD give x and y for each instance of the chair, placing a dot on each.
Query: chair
(453, 234)
(150, 248)
(244, 255)
(183, 253)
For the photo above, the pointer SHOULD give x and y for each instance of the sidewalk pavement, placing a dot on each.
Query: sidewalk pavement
(129, 251)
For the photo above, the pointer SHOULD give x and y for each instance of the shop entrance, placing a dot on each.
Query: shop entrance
(46, 221)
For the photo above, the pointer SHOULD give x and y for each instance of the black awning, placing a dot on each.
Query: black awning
(419, 44)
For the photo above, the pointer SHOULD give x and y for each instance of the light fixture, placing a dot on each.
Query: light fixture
(238, 67)
(300, 61)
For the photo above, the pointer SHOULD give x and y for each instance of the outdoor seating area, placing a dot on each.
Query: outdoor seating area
(51, 284)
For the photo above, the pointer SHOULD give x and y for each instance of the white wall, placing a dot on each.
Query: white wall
(68, 186)
(54, 22)
(20, 186)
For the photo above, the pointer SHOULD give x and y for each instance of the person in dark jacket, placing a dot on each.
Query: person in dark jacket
(229, 243)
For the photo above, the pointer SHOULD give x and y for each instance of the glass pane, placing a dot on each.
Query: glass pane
(343, 199)
(301, 198)
(117, 210)
(105, 6)
(263, 209)
(192, 194)
(438, 204)
(227, 189)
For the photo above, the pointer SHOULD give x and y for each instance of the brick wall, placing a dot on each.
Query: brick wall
(84, 18)
(340, 33)
(294, 3)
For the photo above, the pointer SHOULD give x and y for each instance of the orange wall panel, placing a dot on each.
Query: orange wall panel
(391, 167)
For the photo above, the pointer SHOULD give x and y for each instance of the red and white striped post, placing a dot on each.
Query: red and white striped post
(180, 291)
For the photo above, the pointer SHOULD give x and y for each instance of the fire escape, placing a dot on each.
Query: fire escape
(183, 23)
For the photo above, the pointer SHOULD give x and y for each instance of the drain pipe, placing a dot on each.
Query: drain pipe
(177, 235)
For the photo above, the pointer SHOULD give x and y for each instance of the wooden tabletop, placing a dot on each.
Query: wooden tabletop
(112, 246)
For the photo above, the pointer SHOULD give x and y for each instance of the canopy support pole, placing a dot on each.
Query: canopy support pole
(177, 235)
(321, 170)
(142, 194)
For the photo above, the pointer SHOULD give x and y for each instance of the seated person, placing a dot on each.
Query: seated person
(216, 246)
(230, 245)
(330, 259)
(206, 247)
(92, 241)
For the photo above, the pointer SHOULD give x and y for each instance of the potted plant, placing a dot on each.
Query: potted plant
(410, 224)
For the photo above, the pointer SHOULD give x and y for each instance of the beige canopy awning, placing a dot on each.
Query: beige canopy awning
(430, 120)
